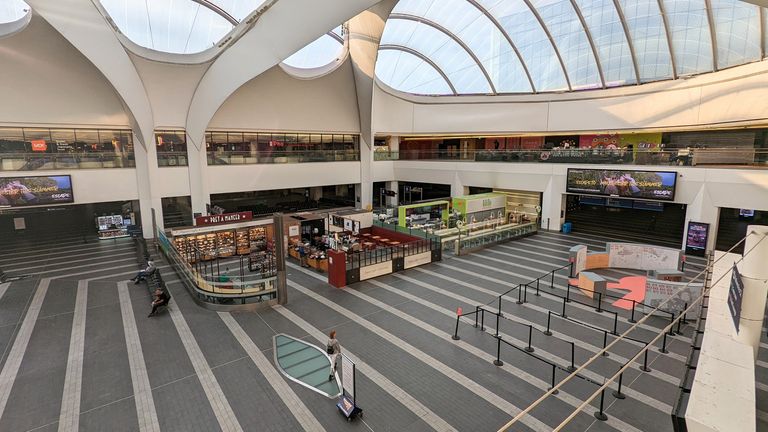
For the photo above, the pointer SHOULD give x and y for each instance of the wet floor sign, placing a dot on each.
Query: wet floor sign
(305, 364)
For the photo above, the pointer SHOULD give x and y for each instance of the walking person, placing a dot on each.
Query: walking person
(334, 349)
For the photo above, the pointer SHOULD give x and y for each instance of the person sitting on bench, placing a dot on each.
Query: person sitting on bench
(141, 275)
(161, 299)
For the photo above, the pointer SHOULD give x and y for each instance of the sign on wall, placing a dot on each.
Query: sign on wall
(655, 185)
(735, 296)
(677, 295)
(696, 238)
(223, 218)
(39, 190)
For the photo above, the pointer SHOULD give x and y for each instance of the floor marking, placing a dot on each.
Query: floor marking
(490, 397)
(221, 408)
(69, 418)
(65, 261)
(303, 415)
(142, 390)
(13, 363)
(430, 418)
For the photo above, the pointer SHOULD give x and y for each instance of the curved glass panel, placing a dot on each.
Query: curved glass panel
(463, 72)
(691, 38)
(533, 43)
(179, 27)
(480, 34)
(559, 45)
(568, 33)
(408, 73)
(737, 28)
(649, 38)
(12, 10)
(238, 9)
(604, 24)
(321, 52)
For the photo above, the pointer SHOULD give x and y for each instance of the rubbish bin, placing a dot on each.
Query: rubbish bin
(567, 228)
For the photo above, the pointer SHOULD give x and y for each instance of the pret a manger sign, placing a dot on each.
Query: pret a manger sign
(223, 218)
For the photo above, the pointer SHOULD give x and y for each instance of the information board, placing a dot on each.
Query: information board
(642, 257)
(677, 295)
(735, 296)
(696, 238)
(348, 376)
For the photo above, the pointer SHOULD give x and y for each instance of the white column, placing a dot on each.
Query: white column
(703, 210)
(457, 187)
(393, 142)
(364, 190)
(391, 201)
(754, 274)
(146, 176)
(198, 172)
(553, 204)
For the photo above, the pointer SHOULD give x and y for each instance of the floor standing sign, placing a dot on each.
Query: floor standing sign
(347, 404)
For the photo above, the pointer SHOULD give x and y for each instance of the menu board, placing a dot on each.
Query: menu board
(39, 190)
(655, 185)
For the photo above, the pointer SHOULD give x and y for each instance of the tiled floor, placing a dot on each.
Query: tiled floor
(79, 353)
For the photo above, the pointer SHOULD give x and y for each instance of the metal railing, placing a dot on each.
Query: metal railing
(281, 156)
(692, 157)
(172, 159)
(365, 258)
(51, 161)
(206, 290)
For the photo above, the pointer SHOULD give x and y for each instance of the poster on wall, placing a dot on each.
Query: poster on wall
(32, 191)
(655, 185)
(696, 238)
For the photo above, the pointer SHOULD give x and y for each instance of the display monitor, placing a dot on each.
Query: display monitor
(696, 238)
(652, 185)
(746, 213)
(33, 191)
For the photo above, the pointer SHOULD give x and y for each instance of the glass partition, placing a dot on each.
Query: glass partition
(171, 148)
(238, 148)
(29, 149)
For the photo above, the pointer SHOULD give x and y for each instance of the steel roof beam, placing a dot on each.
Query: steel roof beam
(426, 59)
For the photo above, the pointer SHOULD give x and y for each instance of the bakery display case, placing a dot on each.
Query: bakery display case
(225, 243)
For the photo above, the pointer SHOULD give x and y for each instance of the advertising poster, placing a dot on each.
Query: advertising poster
(696, 238)
(735, 296)
(678, 293)
(655, 185)
(30, 191)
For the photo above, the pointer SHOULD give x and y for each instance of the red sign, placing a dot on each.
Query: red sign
(39, 145)
(223, 218)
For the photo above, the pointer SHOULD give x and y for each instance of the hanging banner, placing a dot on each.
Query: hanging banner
(735, 296)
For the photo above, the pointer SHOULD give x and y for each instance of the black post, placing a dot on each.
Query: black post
(529, 348)
(605, 342)
(553, 380)
(663, 348)
(519, 295)
(600, 415)
(632, 317)
(497, 324)
(552, 282)
(645, 367)
(500, 305)
(615, 322)
(570, 268)
(498, 361)
(568, 293)
(563, 314)
(537, 285)
(525, 293)
(477, 312)
(572, 367)
(672, 323)
(599, 302)
(679, 323)
(617, 393)
(482, 319)
(685, 315)
(456, 332)
(549, 319)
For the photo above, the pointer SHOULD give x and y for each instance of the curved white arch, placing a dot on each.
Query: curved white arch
(81, 23)
(8, 29)
(320, 71)
(262, 47)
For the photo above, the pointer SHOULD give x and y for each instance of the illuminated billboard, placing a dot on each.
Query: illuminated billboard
(38, 190)
(653, 185)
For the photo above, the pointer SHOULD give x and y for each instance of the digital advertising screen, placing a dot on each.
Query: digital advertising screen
(653, 185)
(696, 238)
(32, 191)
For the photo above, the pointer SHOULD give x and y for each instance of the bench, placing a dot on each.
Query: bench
(591, 283)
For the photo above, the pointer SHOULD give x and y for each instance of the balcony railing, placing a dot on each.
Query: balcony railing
(172, 159)
(54, 161)
(693, 157)
(279, 157)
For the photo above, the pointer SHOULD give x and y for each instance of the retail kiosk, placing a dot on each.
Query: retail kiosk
(112, 226)
(433, 214)
(481, 207)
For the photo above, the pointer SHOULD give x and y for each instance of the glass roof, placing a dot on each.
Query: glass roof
(446, 47)
(321, 52)
(178, 26)
(12, 10)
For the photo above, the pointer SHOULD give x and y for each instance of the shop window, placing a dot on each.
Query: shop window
(63, 140)
(12, 141)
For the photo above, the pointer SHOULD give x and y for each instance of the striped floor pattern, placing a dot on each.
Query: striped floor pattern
(79, 353)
